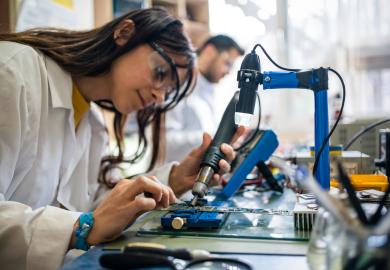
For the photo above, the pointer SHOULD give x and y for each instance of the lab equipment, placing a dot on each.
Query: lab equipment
(383, 160)
(250, 76)
(228, 209)
(142, 255)
(261, 148)
(213, 155)
(242, 106)
(192, 218)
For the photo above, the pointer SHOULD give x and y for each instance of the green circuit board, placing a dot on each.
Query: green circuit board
(273, 220)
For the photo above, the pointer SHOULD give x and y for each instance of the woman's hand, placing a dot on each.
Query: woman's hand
(182, 176)
(124, 204)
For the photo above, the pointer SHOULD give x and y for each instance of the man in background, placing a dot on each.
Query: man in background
(196, 114)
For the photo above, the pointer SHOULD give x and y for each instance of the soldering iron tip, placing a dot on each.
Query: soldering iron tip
(194, 200)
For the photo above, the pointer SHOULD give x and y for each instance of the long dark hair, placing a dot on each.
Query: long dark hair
(91, 53)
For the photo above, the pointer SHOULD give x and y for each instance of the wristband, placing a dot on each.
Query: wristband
(85, 226)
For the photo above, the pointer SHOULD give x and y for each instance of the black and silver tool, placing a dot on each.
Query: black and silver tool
(269, 177)
(210, 163)
(137, 255)
(145, 255)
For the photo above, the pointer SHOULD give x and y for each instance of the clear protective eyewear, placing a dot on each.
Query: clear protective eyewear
(164, 73)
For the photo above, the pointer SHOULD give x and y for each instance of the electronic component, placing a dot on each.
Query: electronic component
(192, 218)
(334, 150)
(184, 216)
(367, 144)
(366, 181)
(305, 211)
(304, 216)
(354, 162)
(227, 209)
(383, 160)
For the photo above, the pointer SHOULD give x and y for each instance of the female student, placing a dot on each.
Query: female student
(53, 138)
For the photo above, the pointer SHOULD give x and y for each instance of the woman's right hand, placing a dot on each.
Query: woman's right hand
(123, 205)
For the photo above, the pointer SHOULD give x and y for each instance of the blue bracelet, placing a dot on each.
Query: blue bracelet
(85, 226)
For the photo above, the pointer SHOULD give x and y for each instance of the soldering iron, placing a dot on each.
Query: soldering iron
(210, 163)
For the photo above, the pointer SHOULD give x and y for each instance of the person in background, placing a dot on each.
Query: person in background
(52, 136)
(196, 114)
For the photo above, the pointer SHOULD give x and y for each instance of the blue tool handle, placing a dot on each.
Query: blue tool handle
(226, 130)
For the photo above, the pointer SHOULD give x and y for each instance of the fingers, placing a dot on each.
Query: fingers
(239, 132)
(215, 180)
(168, 196)
(206, 140)
(172, 197)
(224, 166)
(143, 204)
(144, 184)
(165, 198)
(203, 147)
(228, 151)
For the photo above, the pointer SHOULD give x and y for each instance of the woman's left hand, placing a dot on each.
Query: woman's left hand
(182, 176)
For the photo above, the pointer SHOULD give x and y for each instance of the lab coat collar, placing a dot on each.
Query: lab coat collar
(58, 81)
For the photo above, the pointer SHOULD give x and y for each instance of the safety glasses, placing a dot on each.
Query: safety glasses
(164, 73)
(164, 77)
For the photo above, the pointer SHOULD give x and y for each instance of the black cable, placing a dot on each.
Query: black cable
(253, 136)
(377, 215)
(375, 218)
(326, 140)
(272, 61)
(366, 129)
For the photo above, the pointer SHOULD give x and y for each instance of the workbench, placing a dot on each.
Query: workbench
(271, 252)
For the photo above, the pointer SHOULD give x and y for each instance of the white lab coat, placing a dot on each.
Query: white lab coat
(43, 161)
(186, 123)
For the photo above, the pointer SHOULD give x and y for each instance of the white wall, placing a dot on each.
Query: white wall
(69, 14)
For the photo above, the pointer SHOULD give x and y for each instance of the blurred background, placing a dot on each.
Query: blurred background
(352, 36)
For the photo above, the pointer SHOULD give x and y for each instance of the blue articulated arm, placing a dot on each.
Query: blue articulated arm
(316, 80)
(264, 148)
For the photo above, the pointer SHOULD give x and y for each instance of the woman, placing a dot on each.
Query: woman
(52, 137)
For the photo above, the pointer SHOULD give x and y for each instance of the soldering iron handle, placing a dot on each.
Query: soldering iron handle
(226, 130)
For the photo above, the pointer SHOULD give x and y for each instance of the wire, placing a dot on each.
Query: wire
(272, 61)
(254, 134)
(366, 129)
(326, 140)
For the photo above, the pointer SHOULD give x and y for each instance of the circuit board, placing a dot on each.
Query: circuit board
(184, 216)
(252, 215)
(190, 219)
(226, 209)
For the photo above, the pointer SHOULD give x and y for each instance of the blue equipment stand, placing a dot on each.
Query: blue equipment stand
(321, 130)
(264, 148)
(316, 80)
